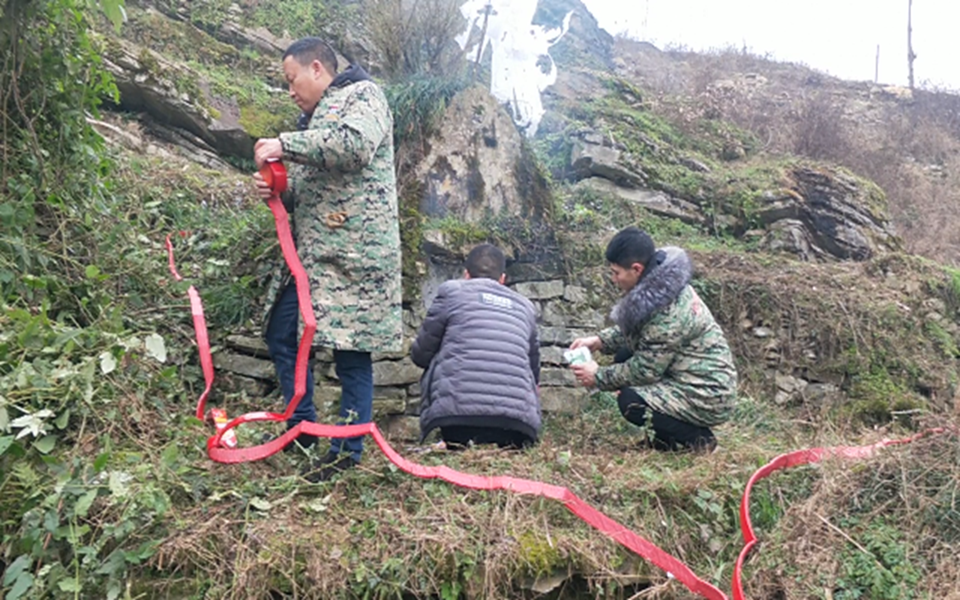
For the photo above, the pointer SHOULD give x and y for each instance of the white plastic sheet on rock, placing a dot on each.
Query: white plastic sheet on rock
(517, 47)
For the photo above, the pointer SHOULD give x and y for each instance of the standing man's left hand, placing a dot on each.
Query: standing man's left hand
(266, 149)
(586, 373)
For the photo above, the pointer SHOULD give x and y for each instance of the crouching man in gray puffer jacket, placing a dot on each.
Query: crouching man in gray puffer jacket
(481, 351)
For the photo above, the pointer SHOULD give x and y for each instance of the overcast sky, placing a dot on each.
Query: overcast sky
(836, 36)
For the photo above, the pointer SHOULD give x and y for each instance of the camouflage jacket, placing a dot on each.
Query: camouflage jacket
(681, 363)
(342, 185)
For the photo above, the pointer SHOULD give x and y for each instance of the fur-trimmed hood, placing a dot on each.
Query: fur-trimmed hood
(667, 274)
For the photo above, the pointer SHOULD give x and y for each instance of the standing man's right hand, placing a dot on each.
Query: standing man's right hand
(267, 149)
(263, 188)
(591, 343)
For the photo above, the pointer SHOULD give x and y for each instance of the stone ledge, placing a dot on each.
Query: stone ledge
(244, 365)
(540, 290)
(557, 378)
(562, 399)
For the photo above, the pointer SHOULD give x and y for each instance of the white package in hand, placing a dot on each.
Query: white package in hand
(577, 357)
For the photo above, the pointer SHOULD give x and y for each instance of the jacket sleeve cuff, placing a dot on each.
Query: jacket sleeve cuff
(285, 143)
(609, 378)
(610, 339)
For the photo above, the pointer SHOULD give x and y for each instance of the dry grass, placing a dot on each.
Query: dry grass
(260, 531)
(849, 537)
(910, 147)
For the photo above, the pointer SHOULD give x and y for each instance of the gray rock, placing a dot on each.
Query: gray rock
(260, 38)
(400, 372)
(540, 290)
(253, 388)
(323, 371)
(562, 399)
(656, 202)
(539, 266)
(389, 393)
(389, 373)
(789, 388)
(252, 346)
(473, 167)
(553, 314)
(559, 336)
(789, 383)
(401, 428)
(557, 377)
(792, 236)
(840, 215)
(389, 406)
(935, 305)
(821, 393)
(586, 318)
(244, 365)
(327, 398)
(693, 164)
(592, 159)
(413, 405)
(551, 355)
(574, 293)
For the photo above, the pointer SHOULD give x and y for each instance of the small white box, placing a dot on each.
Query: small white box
(577, 357)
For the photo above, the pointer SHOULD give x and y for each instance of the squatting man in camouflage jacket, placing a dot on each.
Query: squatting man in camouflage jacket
(342, 193)
(673, 367)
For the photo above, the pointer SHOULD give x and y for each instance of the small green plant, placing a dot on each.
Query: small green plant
(877, 565)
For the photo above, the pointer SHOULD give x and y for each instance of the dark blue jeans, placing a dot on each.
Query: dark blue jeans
(355, 370)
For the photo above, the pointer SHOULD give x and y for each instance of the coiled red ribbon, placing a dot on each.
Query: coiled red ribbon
(275, 175)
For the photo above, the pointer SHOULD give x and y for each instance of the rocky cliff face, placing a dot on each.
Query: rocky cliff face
(585, 44)
(470, 172)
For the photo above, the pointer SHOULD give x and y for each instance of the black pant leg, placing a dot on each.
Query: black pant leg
(622, 355)
(461, 436)
(669, 433)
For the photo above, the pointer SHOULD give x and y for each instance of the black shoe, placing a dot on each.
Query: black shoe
(704, 445)
(325, 468)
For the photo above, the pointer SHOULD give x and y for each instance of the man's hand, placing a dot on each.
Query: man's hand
(586, 373)
(591, 343)
(266, 149)
(263, 190)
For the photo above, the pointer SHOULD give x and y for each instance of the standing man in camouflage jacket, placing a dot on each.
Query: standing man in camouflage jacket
(673, 367)
(342, 193)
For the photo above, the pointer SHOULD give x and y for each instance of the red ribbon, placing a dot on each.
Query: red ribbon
(200, 326)
(796, 459)
(275, 175)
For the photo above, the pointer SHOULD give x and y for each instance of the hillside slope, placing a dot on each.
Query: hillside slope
(841, 335)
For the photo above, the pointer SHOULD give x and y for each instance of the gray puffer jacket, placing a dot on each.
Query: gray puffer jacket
(480, 346)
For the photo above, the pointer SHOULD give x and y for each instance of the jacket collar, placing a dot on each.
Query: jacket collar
(668, 273)
(352, 74)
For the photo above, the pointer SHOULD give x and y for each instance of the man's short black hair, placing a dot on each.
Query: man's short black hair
(486, 260)
(308, 49)
(629, 246)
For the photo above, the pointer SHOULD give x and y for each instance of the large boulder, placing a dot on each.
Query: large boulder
(827, 211)
(593, 155)
(478, 167)
(481, 182)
